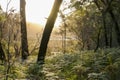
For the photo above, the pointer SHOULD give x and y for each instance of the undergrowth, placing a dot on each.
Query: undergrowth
(84, 65)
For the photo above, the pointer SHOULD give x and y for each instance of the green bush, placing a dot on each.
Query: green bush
(35, 72)
(100, 65)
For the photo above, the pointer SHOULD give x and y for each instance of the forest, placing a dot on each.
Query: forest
(84, 46)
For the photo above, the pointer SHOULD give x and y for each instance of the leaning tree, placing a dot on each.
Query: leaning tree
(47, 31)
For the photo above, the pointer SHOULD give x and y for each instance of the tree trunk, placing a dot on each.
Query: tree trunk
(117, 30)
(111, 35)
(105, 30)
(98, 40)
(47, 31)
(104, 22)
(2, 53)
(24, 42)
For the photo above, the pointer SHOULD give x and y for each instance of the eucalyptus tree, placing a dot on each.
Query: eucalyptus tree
(110, 8)
(109, 29)
(24, 42)
(47, 31)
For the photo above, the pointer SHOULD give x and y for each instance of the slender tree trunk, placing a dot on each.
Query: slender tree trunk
(2, 53)
(47, 31)
(65, 42)
(24, 42)
(117, 29)
(105, 30)
(64, 33)
(98, 40)
(111, 33)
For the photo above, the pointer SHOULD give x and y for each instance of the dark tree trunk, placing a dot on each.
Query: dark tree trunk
(24, 42)
(47, 31)
(111, 33)
(104, 22)
(2, 54)
(105, 30)
(117, 30)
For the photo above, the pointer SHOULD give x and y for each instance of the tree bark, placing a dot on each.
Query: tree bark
(111, 35)
(47, 31)
(117, 29)
(2, 53)
(105, 30)
(104, 22)
(24, 42)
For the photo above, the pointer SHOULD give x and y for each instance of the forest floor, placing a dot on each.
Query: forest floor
(100, 65)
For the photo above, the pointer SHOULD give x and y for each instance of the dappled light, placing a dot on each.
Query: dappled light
(59, 40)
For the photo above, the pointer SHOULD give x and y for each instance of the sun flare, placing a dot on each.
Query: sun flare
(36, 10)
